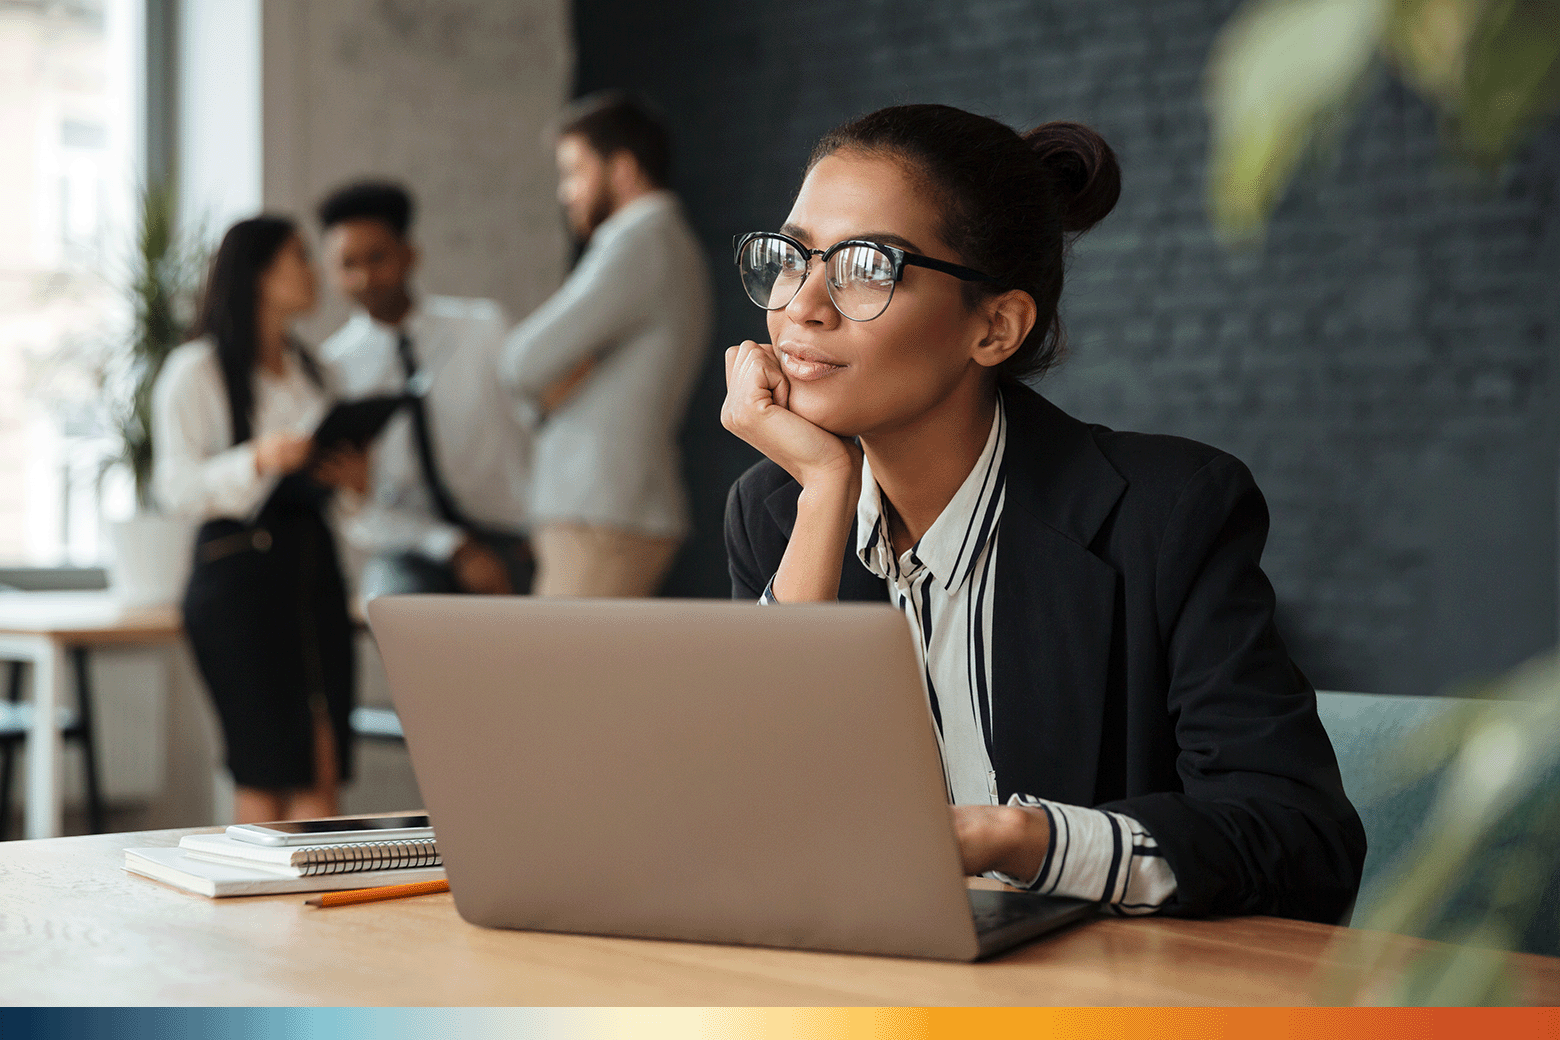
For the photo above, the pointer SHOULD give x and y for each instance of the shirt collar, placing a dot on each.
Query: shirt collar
(956, 539)
(366, 324)
(408, 324)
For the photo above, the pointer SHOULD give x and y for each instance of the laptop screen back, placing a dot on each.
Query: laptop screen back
(680, 769)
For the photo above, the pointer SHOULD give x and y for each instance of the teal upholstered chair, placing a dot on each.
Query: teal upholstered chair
(1367, 730)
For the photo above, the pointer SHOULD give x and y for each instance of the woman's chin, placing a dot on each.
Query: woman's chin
(825, 415)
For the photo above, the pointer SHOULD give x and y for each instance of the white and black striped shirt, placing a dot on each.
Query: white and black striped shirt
(945, 585)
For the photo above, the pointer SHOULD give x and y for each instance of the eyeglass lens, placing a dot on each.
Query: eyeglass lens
(860, 278)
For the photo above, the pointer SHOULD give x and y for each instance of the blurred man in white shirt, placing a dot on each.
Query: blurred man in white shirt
(447, 508)
(626, 335)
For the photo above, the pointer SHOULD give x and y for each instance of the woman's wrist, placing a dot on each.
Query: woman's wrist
(1027, 839)
(831, 493)
(810, 569)
(1006, 839)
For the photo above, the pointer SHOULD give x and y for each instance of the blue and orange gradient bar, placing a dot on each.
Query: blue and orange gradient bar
(773, 1023)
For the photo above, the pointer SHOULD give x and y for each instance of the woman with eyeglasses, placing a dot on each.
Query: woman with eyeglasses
(266, 607)
(1118, 717)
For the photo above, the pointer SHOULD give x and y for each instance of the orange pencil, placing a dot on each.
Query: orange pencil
(369, 895)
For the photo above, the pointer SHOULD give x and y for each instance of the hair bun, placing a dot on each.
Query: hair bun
(1085, 167)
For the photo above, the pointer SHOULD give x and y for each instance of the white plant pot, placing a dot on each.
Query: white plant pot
(151, 559)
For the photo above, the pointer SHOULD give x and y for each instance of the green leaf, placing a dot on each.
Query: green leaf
(1281, 71)
(1428, 42)
(1512, 82)
(159, 282)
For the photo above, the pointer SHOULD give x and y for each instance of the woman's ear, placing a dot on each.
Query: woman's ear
(1006, 321)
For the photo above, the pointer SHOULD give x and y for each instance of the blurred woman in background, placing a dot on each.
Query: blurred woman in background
(266, 606)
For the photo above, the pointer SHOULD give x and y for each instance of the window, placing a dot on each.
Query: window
(66, 183)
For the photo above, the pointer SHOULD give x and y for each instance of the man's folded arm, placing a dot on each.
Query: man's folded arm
(597, 305)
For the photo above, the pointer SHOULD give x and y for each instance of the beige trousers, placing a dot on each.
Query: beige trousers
(578, 560)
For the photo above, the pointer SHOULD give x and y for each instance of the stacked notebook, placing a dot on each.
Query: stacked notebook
(217, 865)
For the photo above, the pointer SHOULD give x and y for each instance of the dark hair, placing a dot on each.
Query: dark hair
(1011, 203)
(229, 308)
(613, 122)
(376, 200)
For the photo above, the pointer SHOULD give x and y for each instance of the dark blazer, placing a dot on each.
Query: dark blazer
(1136, 664)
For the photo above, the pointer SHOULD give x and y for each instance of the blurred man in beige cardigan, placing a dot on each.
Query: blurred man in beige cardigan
(625, 335)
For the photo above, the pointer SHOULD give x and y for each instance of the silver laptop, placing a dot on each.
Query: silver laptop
(694, 770)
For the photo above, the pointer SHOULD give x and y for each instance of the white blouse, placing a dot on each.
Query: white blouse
(197, 471)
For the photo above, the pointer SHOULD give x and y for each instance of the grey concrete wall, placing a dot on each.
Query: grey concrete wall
(1385, 364)
(448, 96)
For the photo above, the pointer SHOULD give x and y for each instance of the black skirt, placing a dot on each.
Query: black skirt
(266, 614)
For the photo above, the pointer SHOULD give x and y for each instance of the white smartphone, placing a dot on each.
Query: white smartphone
(330, 832)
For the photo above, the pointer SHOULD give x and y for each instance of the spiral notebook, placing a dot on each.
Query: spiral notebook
(175, 866)
(312, 860)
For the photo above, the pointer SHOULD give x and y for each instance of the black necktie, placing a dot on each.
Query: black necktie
(443, 501)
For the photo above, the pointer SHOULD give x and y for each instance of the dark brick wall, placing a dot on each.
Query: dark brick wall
(1384, 363)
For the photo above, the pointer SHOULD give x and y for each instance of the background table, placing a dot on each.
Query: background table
(75, 928)
(40, 627)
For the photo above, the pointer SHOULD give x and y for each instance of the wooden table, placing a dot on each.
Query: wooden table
(40, 628)
(76, 928)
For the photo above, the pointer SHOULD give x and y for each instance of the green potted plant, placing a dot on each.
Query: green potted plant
(1283, 79)
(151, 551)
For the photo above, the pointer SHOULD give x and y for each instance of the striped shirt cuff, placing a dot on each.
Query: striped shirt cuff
(768, 598)
(1098, 855)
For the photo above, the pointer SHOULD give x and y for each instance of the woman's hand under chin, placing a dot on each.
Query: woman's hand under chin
(828, 468)
(757, 410)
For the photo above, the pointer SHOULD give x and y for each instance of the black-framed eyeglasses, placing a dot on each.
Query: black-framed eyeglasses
(860, 274)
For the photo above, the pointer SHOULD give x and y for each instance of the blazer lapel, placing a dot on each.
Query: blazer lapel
(1055, 605)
